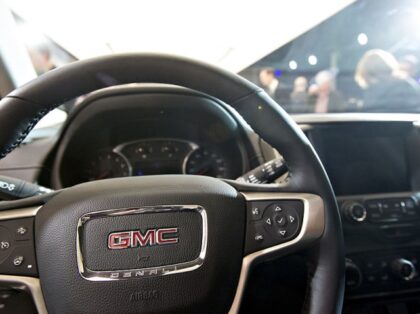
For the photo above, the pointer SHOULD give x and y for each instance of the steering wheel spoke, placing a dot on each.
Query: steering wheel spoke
(18, 267)
(277, 224)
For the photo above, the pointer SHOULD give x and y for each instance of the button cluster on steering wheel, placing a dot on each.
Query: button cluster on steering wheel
(272, 222)
(17, 251)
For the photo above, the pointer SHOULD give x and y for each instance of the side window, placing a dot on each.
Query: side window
(45, 53)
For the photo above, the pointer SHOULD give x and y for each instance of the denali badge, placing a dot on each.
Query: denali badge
(136, 238)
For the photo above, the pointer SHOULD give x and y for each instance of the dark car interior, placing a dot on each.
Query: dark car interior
(122, 131)
(176, 186)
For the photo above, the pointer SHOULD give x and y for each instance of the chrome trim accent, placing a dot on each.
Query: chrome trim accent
(413, 272)
(355, 117)
(312, 229)
(365, 197)
(186, 158)
(351, 214)
(19, 213)
(164, 270)
(29, 284)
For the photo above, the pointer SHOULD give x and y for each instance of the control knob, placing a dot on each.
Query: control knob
(403, 268)
(355, 212)
(353, 275)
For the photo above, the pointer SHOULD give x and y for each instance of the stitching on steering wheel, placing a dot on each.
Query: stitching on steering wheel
(39, 115)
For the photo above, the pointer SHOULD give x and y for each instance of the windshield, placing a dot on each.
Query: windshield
(338, 56)
(364, 58)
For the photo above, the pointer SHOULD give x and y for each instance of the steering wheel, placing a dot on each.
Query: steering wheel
(174, 243)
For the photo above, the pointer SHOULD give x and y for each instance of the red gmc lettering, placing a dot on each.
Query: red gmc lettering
(119, 240)
(152, 237)
(137, 239)
(163, 236)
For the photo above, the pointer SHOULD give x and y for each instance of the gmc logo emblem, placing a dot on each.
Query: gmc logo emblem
(135, 238)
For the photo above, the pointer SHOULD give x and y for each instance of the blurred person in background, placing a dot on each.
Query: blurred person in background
(299, 98)
(273, 87)
(385, 89)
(408, 67)
(323, 95)
(41, 59)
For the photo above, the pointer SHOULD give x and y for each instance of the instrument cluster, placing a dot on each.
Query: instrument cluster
(156, 156)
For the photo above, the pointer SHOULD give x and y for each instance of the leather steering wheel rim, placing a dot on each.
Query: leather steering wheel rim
(20, 110)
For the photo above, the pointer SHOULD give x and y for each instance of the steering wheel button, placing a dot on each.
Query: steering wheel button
(280, 220)
(259, 237)
(278, 209)
(256, 210)
(282, 232)
(4, 245)
(18, 260)
(268, 221)
(21, 230)
(291, 219)
(275, 208)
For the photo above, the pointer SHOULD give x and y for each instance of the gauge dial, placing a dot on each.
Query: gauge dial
(205, 162)
(107, 165)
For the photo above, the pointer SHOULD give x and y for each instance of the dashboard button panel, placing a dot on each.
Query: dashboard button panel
(383, 271)
(380, 210)
(392, 210)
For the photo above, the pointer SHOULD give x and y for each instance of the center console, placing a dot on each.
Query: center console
(381, 233)
(374, 168)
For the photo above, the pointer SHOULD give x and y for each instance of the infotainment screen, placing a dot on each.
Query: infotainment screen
(363, 162)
